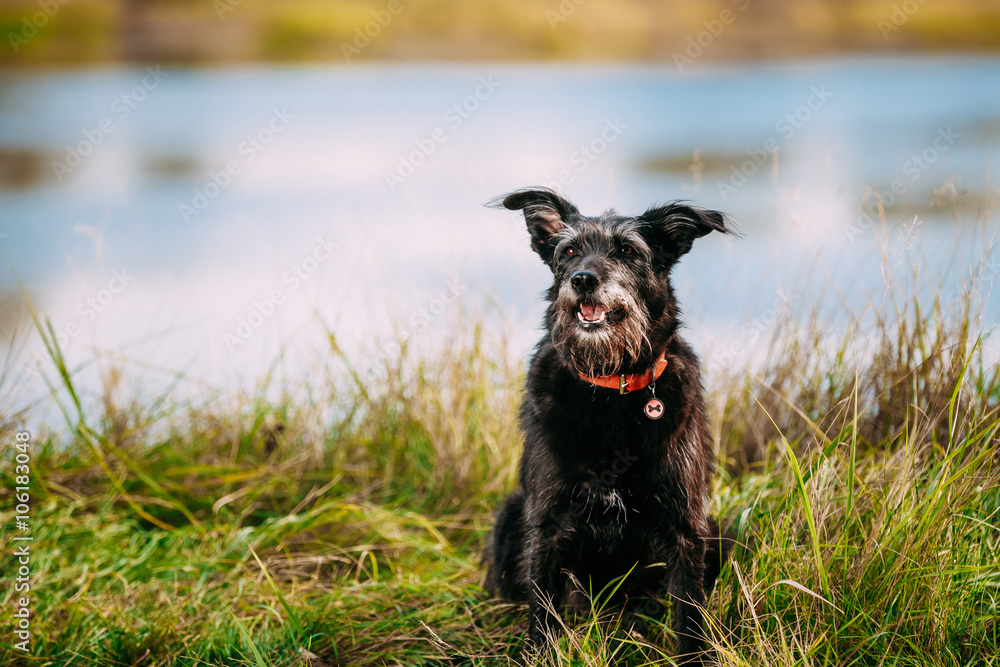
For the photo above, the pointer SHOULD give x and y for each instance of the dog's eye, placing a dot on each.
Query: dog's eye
(569, 252)
(627, 250)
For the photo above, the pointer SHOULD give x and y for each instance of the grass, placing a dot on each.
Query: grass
(342, 524)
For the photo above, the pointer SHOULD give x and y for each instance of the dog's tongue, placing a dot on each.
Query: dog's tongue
(593, 313)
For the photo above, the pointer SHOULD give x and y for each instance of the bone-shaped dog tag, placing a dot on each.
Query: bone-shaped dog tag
(654, 408)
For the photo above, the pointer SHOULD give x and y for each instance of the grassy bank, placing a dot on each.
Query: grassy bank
(343, 524)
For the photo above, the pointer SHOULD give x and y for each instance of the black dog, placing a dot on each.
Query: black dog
(617, 454)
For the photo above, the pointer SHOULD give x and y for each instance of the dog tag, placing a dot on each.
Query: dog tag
(654, 408)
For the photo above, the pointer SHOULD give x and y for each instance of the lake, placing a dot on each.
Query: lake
(205, 221)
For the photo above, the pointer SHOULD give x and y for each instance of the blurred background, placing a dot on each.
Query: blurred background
(202, 194)
(75, 32)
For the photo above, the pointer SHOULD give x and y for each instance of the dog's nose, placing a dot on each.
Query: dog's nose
(584, 281)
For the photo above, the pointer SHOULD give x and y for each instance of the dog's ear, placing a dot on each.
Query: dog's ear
(672, 229)
(545, 213)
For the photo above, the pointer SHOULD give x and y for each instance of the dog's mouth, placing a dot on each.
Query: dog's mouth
(594, 314)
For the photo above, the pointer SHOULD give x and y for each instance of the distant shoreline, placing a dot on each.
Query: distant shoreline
(680, 35)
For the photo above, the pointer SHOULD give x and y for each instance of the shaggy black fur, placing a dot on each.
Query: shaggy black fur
(604, 489)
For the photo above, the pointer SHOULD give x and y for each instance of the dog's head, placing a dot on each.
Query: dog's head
(611, 298)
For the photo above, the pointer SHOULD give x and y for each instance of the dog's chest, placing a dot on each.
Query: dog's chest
(603, 494)
(610, 461)
(606, 495)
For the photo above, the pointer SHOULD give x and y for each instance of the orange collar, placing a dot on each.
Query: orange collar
(625, 383)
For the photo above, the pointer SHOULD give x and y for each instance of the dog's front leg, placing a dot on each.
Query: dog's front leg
(686, 586)
(547, 585)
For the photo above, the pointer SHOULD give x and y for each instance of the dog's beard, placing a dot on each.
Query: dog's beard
(606, 348)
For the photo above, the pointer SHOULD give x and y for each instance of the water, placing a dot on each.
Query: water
(210, 218)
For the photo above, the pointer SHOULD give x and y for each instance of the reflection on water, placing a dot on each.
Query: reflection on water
(803, 190)
(698, 162)
(170, 166)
